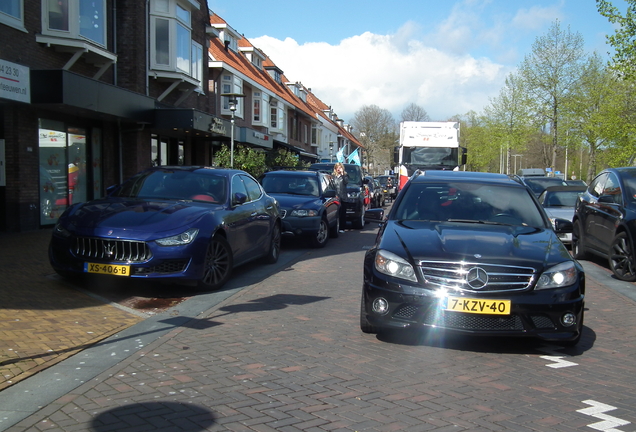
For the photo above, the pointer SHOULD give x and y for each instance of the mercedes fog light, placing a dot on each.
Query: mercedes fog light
(380, 306)
(568, 319)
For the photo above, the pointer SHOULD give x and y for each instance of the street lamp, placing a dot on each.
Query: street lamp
(330, 151)
(233, 104)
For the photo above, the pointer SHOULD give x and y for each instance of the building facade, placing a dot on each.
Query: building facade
(91, 92)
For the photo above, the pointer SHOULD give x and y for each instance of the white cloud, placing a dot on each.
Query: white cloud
(536, 17)
(390, 71)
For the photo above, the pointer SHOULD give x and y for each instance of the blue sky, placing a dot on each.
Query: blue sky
(447, 56)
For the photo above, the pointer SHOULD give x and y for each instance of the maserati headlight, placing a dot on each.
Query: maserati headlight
(390, 264)
(303, 213)
(61, 231)
(184, 238)
(560, 275)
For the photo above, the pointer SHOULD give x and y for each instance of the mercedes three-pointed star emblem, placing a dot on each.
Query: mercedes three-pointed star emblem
(477, 278)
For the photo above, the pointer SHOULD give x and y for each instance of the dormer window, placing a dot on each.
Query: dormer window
(230, 42)
(275, 73)
(254, 56)
(228, 35)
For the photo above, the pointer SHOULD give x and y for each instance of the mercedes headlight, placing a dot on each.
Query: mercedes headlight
(390, 264)
(560, 275)
(184, 238)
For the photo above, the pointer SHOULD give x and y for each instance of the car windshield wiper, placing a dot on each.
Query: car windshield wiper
(473, 221)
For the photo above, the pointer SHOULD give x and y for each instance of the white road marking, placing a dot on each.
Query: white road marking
(598, 411)
(558, 362)
(556, 357)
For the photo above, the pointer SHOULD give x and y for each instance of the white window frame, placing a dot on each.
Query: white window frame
(263, 99)
(277, 116)
(74, 30)
(12, 20)
(196, 61)
(178, 15)
(232, 84)
(257, 105)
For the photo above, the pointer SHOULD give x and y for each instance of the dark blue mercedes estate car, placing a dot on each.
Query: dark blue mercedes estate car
(472, 253)
(171, 223)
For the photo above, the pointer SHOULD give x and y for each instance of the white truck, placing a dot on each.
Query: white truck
(428, 146)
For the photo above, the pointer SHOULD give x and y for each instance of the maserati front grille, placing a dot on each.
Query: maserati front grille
(112, 250)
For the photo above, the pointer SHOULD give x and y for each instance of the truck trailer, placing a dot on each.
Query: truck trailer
(428, 146)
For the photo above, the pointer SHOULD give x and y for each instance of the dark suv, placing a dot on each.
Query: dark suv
(605, 221)
(308, 203)
(472, 253)
(354, 202)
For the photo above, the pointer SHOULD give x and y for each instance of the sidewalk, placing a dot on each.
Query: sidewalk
(43, 320)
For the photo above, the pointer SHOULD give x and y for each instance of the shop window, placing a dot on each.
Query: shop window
(64, 170)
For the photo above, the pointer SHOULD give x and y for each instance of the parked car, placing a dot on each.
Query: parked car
(308, 203)
(376, 193)
(539, 184)
(191, 224)
(559, 202)
(605, 221)
(354, 203)
(471, 253)
(388, 185)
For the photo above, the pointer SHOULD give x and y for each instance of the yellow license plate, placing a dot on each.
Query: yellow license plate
(477, 306)
(111, 269)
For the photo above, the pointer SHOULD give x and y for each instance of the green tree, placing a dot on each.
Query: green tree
(551, 72)
(509, 122)
(285, 159)
(596, 107)
(377, 130)
(475, 136)
(245, 158)
(624, 38)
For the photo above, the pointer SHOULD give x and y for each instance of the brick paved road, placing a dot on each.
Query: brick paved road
(286, 354)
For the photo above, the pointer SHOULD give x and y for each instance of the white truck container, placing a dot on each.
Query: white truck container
(428, 146)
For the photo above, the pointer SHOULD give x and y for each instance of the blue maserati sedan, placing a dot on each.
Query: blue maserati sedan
(174, 223)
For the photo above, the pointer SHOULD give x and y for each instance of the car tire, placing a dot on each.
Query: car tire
(359, 222)
(578, 242)
(621, 258)
(217, 265)
(334, 231)
(365, 326)
(319, 240)
(274, 245)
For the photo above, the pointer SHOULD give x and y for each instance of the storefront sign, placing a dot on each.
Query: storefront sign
(14, 82)
(217, 126)
(254, 137)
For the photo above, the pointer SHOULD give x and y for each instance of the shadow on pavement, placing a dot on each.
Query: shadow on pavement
(171, 416)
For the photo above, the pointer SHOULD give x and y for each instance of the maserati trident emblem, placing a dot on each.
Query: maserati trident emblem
(109, 249)
(477, 278)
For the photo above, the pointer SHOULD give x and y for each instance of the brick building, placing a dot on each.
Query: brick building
(93, 91)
